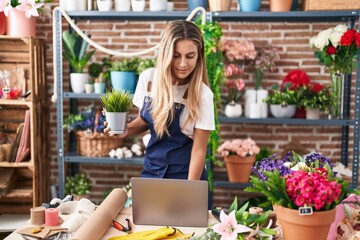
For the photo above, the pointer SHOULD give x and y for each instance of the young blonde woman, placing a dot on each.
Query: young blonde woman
(176, 105)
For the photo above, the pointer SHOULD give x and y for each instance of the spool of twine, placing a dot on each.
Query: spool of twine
(51, 217)
(37, 215)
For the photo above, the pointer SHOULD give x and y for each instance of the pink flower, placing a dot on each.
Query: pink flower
(5, 6)
(29, 7)
(241, 147)
(228, 228)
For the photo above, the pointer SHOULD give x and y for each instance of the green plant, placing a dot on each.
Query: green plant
(316, 96)
(96, 69)
(101, 78)
(283, 96)
(75, 51)
(117, 101)
(79, 184)
(125, 65)
(145, 64)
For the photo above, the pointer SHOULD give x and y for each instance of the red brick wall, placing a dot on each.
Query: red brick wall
(290, 38)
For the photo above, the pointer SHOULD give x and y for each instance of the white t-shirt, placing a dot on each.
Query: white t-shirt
(206, 119)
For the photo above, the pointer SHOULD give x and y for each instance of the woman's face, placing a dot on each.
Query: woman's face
(184, 61)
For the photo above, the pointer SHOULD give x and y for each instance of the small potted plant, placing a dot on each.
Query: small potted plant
(239, 156)
(123, 74)
(79, 186)
(283, 101)
(75, 52)
(117, 105)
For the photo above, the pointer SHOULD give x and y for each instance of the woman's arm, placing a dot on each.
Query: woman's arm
(136, 126)
(198, 153)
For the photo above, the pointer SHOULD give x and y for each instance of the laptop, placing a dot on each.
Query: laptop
(169, 202)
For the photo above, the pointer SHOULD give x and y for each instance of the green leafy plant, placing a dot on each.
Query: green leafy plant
(100, 71)
(117, 101)
(283, 96)
(316, 96)
(125, 65)
(79, 184)
(75, 51)
(145, 64)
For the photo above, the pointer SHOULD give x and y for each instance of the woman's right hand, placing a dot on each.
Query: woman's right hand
(108, 130)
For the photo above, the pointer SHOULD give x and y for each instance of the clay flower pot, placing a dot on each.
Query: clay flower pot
(239, 168)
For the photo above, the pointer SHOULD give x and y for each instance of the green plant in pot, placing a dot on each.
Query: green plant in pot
(123, 74)
(75, 48)
(117, 104)
(78, 185)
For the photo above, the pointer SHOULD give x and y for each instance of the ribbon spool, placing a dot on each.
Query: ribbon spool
(51, 217)
(37, 215)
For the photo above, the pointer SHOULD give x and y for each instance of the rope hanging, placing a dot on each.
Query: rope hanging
(101, 48)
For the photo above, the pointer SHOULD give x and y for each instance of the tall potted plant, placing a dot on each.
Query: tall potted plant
(117, 105)
(75, 52)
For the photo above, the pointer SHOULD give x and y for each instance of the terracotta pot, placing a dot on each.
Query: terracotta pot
(299, 227)
(18, 25)
(280, 5)
(239, 168)
(219, 5)
(2, 23)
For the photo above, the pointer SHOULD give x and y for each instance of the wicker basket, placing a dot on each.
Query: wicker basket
(316, 5)
(219, 5)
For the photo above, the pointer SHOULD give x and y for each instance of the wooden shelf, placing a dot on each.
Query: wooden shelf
(15, 102)
(29, 164)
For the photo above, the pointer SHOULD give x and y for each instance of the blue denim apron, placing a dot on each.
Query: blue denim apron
(169, 156)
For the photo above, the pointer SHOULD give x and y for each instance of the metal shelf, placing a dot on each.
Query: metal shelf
(73, 158)
(71, 95)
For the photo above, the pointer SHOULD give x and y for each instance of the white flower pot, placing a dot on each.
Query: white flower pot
(89, 88)
(104, 5)
(138, 5)
(116, 122)
(158, 5)
(99, 87)
(169, 6)
(255, 110)
(122, 5)
(312, 113)
(261, 95)
(233, 110)
(279, 111)
(81, 5)
(69, 5)
(77, 82)
(256, 97)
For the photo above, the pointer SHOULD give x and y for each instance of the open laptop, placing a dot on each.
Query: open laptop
(169, 202)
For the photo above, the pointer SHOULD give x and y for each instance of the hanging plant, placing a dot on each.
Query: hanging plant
(212, 33)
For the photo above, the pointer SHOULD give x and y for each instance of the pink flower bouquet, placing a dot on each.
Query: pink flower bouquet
(241, 147)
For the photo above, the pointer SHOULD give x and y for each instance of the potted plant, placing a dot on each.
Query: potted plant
(123, 74)
(145, 63)
(303, 191)
(75, 52)
(100, 74)
(117, 105)
(239, 156)
(315, 98)
(282, 101)
(79, 186)
(138, 5)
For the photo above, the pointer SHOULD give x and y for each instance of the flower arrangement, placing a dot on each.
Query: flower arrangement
(241, 147)
(85, 121)
(337, 47)
(30, 7)
(295, 79)
(238, 50)
(235, 87)
(316, 96)
(264, 62)
(282, 95)
(294, 181)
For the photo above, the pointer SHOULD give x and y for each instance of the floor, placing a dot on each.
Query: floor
(10, 222)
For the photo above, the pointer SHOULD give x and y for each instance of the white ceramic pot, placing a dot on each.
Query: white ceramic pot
(77, 82)
(116, 122)
(280, 111)
(255, 110)
(81, 5)
(138, 5)
(104, 5)
(69, 5)
(253, 100)
(158, 5)
(89, 87)
(260, 96)
(99, 87)
(312, 113)
(122, 5)
(233, 110)
(169, 6)
(250, 97)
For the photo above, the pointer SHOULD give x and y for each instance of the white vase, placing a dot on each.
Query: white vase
(233, 109)
(89, 87)
(312, 113)
(253, 100)
(81, 5)
(158, 5)
(255, 110)
(77, 82)
(104, 5)
(260, 96)
(122, 5)
(169, 6)
(138, 5)
(250, 97)
(69, 5)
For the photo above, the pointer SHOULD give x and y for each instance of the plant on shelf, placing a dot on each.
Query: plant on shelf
(125, 65)
(79, 185)
(282, 96)
(235, 87)
(316, 96)
(123, 74)
(295, 182)
(144, 64)
(264, 62)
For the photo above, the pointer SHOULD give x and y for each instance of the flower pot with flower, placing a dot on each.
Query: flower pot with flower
(21, 15)
(304, 192)
(239, 156)
(337, 47)
(235, 90)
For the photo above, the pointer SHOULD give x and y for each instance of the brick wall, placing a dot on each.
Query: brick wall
(290, 38)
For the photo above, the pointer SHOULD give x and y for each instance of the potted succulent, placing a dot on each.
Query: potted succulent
(239, 156)
(75, 52)
(123, 74)
(79, 186)
(283, 101)
(117, 105)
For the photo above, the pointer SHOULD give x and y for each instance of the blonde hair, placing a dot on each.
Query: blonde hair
(162, 105)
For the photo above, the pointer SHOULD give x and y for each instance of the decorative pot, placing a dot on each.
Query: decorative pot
(233, 109)
(280, 5)
(249, 5)
(89, 87)
(158, 5)
(299, 227)
(99, 87)
(138, 5)
(123, 81)
(68, 5)
(239, 168)
(337, 86)
(254, 105)
(18, 25)
(192, 4)
(2, 23)
(77, 82)
(122, 5)
(219, 5)
(116, 121)
(169, 6)
(312, 113)
(104, 5)
(280, 111)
